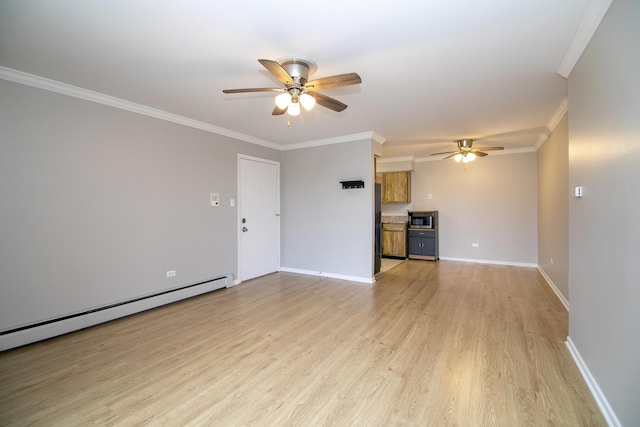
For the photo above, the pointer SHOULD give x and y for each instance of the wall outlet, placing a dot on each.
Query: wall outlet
(171, 273)
(475, 245)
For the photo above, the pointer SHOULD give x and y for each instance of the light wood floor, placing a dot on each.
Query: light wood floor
(387, 264)
(430, 344)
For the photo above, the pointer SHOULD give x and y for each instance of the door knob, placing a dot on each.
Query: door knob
(245, 229)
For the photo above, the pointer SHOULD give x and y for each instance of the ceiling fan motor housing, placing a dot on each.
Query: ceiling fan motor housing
(298, 68)
(465, 143)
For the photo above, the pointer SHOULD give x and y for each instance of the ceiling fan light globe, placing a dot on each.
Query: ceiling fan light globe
(307, 101)
(458, 157)
(470, 156)
(294, 109)
(283, 100)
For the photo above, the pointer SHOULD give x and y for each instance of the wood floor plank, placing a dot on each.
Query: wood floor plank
(436, 344)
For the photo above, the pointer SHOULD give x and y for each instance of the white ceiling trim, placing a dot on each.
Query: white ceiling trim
(100, 98)
(336, 140)
(596, 11)
(559, 114)
(378, 138)
(553, 122)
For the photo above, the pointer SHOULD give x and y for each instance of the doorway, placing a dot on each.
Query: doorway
(258, 217)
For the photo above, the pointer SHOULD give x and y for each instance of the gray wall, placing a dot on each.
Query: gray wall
(604, 158)
(491, 201)
(325, 228)
(98, 203)
(553, 208)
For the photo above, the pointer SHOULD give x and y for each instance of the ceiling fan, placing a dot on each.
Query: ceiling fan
(465, 151)
(294, 74)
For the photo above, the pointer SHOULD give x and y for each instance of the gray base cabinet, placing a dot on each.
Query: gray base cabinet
(423, 243)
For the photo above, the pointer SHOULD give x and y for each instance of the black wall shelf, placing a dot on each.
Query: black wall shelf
(352, 184)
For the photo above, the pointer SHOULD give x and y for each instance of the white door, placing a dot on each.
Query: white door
(258, 217)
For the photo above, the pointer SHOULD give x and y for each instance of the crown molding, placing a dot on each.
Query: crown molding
(335, 140)
(378, 138)
(100, 98)
(562, 109)
(592, 18)
(559, 114)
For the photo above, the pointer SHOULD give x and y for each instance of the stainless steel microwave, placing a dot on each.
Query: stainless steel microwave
(420, 220)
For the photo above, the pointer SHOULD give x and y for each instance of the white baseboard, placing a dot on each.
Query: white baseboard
(490, 261)
(95, 317)
(601, 400)
(554, 288)
(368, 280)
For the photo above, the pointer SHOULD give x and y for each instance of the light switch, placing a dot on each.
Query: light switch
(429, 196)
(215, 199)
(232, 202)
(577, 191)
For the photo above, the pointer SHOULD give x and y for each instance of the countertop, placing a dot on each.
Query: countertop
(394, 219)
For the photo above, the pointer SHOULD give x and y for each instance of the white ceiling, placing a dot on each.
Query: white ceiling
(432, 71)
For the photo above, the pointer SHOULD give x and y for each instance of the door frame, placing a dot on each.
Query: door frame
(242, 157)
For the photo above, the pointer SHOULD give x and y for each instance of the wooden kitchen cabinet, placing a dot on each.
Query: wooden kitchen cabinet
(396, 187)
(394, 240)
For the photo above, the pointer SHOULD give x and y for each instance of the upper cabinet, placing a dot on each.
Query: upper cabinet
(396, 187)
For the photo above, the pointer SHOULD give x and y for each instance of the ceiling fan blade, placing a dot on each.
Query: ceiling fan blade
(328, 102)
(451, 155)
(479, 153)
(277, 111)
(334, 81)
(446, 152)
(488, 148)
(254, 89)
(276, 69)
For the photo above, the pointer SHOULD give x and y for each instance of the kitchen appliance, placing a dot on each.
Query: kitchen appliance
(421, 220)
(423, 236)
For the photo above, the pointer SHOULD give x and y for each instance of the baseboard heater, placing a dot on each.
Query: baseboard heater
(23, 335)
